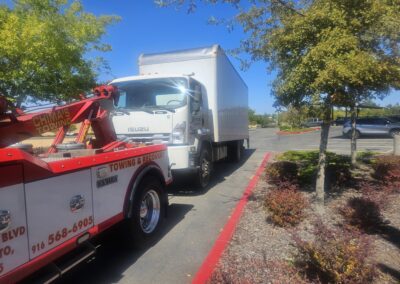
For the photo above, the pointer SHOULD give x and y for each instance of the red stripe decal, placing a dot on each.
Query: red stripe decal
(108, 223)
(209, 264)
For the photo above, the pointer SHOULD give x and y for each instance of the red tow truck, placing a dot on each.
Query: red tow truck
(53, 203)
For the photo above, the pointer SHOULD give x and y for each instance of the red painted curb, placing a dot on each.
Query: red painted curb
(208, 266)
(297, 132)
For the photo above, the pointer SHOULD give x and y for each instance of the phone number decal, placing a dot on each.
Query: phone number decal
(62, 234)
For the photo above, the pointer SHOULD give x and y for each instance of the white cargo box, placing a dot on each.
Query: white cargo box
(225, 91)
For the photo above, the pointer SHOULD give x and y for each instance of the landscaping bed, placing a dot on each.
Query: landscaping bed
(281, 238)
(292, 131)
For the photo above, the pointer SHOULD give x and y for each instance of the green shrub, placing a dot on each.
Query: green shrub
(338, 166)
(366, 157)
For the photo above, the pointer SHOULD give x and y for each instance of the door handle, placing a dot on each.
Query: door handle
(5, 220)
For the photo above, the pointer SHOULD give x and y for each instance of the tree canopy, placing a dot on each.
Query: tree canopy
(325, 52)
(43, 48)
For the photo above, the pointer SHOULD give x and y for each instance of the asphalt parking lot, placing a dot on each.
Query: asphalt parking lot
(196, 218)
(337, 143)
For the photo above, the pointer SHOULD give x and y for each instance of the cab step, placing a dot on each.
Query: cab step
(59, 267)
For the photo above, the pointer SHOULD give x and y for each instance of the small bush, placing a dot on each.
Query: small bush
(362, 213)
(256, 271)
(338, 175)
(387, 170)
(286, 185)
(336, 256)
(281, 171)
(286, 207)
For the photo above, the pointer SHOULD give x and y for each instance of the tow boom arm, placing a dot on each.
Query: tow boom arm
(93, 111)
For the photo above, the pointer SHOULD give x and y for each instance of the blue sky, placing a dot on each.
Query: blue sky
(145, 28)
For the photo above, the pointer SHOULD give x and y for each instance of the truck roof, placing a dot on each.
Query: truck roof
(186, 55)
(152, 76)
(180, 55)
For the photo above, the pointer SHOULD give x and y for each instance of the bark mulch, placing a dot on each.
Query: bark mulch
(260, 252)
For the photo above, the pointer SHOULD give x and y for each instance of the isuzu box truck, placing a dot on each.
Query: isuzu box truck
(192, 100)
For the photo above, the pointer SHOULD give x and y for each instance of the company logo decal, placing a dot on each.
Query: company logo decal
(113, 167)
(138, 129)
(107, 181)
(51, 121)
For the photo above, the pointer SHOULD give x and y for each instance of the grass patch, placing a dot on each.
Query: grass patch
(338, 166)
(295, 129)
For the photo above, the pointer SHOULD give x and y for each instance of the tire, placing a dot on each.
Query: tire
(147, 211)
(358, 134)
(203, 174)
(235, 151)
(394, 132)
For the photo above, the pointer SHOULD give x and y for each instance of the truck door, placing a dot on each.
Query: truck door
(196, 109)
(58, 209)
(13, 229)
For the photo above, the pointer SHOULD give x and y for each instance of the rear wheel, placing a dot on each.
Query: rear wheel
(147, 211)
(203, 174)
(235, 151)
(394, 132)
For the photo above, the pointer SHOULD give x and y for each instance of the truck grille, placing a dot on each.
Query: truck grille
(148, 137)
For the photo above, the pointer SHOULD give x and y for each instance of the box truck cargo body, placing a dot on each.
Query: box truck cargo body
(193, 100)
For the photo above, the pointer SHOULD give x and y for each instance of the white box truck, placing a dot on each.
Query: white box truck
(193, 100)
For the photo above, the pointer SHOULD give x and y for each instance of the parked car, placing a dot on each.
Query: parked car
(395, 118)
(313, 122)
(340, 120)
(372, 126)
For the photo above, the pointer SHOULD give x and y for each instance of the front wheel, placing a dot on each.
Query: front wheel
(148, 209)
(203, 173)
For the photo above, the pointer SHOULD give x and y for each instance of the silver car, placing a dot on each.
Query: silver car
(372, 126)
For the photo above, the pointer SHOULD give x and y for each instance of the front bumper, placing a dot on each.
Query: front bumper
(179, 157)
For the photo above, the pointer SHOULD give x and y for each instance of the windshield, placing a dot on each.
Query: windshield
(162, 93)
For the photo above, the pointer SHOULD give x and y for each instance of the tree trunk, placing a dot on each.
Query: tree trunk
(353, 137)
(320, 183)
(396, 145)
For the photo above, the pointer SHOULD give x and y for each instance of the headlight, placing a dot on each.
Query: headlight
(178, 133)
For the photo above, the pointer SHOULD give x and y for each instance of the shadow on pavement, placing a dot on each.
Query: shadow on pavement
(115, 256)
(388, 270)
(183, 182)
(363, 137)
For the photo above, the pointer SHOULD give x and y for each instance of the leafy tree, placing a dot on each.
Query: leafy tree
(326, 52)
(43, 48)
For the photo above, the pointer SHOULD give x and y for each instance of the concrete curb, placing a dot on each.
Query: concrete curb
(209, 264)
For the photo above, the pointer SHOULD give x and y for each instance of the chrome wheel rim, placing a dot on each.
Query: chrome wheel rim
(149, 211)
(205, 168)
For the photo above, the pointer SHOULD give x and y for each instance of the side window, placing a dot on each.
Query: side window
(122, 99)
(195, 97)
(380, 121)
